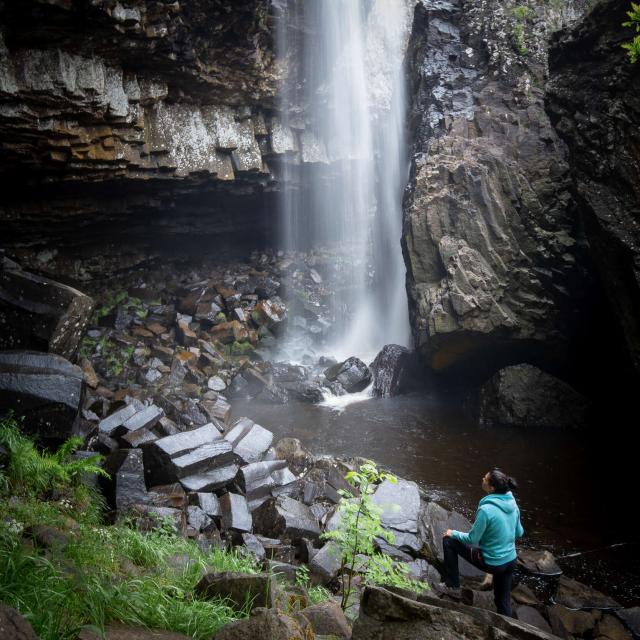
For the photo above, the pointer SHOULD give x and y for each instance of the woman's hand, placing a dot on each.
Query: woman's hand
(447, 533)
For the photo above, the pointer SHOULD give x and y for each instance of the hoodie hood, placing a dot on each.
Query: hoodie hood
(504, 501)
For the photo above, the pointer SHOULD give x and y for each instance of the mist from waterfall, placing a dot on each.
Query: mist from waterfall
(351, 97)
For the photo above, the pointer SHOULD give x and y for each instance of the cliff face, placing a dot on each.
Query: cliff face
(490, 235)
(131, 114)
(594, 103)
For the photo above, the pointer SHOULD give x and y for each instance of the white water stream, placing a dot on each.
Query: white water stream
(353, 101)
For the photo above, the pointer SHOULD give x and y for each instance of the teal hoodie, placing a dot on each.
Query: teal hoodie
(495, 529)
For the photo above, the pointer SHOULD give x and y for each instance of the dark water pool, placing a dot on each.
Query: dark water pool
(577, 492)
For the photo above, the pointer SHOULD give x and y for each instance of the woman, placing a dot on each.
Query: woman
(490, 545)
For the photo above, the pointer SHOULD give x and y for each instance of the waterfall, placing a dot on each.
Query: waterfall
(349, 91)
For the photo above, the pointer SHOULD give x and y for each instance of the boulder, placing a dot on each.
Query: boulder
(576, 595)
(294, 454)
(610, 628)
(389, 370)
(13, 626)
(286, 518)
(211, 480)
(235, 513)
(325, 564)
(44, 388)
(400, 504)
(538, 562)
(186, 454)
(126, 486)
(327, 619)
(249, 440)
(40, 313)
(352, 374)
(261, 480)
(631, 618)
(532, 616)
(266, 624)
(384, 614)
(525, 396)
(239, 588)
(567, 623)
(434, 521)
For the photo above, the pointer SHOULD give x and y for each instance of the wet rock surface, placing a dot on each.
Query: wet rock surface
(45, 388)
(389, 370)
(523, 395)
(591, 82)
(489, 237)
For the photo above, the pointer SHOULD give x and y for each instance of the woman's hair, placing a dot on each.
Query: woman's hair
(501, 482)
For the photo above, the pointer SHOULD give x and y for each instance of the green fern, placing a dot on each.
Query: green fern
(28, 471)
(633, 47)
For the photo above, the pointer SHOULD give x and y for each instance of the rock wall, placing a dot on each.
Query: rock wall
(490, 235)
(594, 102)
(139, 114)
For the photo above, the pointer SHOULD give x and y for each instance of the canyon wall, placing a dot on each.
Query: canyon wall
(491, 238)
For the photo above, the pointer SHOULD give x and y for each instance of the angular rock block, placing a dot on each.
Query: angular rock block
(400, 504)
(138, 438)
(327, 619)
(210, 480)
(325, 564)
(540, 563)
(261, 480)
(249, 440)
(197, 519)
(112, 425)
(576, 595)
(434, 521)
(286, 518)
(168, 495)
(235, 513)
(39, 313)
(186, 454)
(13, 626)
(352, 374)
(127, 486)
(44, 388)
(267, 624)
(218, 409)
(524, 396)
(209, 503)
(253, 544)
(257, 588)
(384, 614)
(389, 370)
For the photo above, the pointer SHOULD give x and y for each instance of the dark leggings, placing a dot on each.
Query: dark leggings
(502, 573)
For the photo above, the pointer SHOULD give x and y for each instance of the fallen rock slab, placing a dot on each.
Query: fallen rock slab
(286, 518)
(40, 313)
(127, 484)
(266, 624)
(352, 374)
(384, 614)
(400, 504)
(44, 388)
(389, 369)
(576, 595)
(327, 619)
(249, 440)
(259, 589)
(13, 626)
(540, 563)
(235, 513)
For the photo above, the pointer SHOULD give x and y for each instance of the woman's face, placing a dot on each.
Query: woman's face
(486, 485)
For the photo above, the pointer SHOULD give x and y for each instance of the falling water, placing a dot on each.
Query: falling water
(353, 101)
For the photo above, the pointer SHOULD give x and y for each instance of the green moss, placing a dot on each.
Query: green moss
(241, 348)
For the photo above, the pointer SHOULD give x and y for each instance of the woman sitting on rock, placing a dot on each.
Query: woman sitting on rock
(490, 545)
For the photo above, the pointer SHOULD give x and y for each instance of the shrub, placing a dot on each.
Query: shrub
(633, 47)
(358, 528)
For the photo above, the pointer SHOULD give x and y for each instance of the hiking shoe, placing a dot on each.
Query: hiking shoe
(445, 590)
